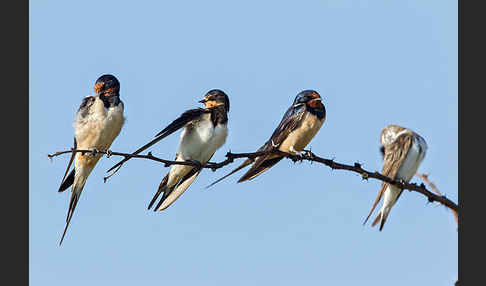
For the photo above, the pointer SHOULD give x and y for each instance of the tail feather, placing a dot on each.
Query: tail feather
(381, 217)
(66, 183)
(382, 223)
(139, 150)
(377, 219)
(243, 165)
(76, 193)
(167, 192)
(82, 172)
(172, 193)
(383, 187)
(258, 169)
(391, 196)
(161, 189)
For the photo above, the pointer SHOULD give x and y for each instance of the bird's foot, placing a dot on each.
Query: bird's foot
(196, 163)
(297, 154)
(307, 153)
(402, 181)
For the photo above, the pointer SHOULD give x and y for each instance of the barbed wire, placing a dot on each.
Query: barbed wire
(306, 155)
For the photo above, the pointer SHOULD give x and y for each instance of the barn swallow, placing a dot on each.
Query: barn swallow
(403, 150)
(98, 122)
(299, 125)
(204, 131)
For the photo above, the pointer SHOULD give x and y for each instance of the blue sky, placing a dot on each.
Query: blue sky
(373, 62)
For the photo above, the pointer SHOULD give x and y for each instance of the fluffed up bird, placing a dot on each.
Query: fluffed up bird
(204, 132)
(403, 150)
(98, 122)
(299, 125)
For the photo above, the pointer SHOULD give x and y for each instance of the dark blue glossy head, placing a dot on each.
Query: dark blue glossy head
(312, 102)
(107, 83)
(306, 96)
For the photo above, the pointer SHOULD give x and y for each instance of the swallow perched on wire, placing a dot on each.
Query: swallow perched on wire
(98, 122)
(204, 131)
(299, 125)
(403, 150)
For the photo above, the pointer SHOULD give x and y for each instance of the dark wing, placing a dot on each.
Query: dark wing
(393, 157)
(180, 122)
(83, 110)
(243, 165)
(260, 166)
(291, 120)
(185, 117)
(86, 105)
(66, 183)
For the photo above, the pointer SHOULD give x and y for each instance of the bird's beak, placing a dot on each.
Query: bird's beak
(203, 100)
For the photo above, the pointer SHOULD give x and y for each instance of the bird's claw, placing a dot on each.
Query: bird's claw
(195, 162)
(295, 152)
(298, 156)
(307, 153)
(402, 182)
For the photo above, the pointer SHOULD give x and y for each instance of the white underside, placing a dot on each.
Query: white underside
(96, 130)
(199, 142)
(99, 127)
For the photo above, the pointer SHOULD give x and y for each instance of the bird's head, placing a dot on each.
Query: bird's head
(216, 97)
(309, 97)
(312, 100)
(390, 133)
(107, 85)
